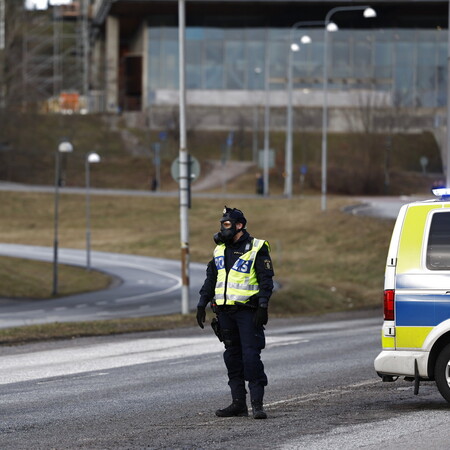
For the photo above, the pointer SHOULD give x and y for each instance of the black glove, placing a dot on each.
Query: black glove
(262, 314)
(201, 316)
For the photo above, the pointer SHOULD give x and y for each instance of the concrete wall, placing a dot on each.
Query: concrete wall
(304, 118)
(302, 97)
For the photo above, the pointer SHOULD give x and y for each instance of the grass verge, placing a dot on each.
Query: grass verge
(23, 278)
(72, 330)
(325, 261)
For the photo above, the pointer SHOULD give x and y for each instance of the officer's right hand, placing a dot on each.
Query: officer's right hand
(201, 316)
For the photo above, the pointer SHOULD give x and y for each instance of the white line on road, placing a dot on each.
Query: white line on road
(283, 344)
(331, 392)
(39, 365)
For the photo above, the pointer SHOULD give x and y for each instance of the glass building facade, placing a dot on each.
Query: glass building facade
(410, 64)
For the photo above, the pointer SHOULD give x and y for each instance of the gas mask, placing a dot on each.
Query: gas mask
(226, 235)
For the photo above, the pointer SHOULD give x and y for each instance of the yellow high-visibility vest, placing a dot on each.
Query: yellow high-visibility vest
(240, 283)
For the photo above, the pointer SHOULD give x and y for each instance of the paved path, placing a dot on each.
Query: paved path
(382, 207)
(144, 286)
(218, 176)
(17, 187)
(222, 173)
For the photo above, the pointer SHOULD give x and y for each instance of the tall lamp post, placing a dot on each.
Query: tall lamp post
(257, 72)
(293, 47)
(63, 147)
(368, 12)
(266, 122)
(91, 158)
(184, 163)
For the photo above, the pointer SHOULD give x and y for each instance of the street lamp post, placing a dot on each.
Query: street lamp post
(91, 158)
(293, 47)
(63, 147)
(257, 72)
(184, 163)
(288, 150)
(368, 12)
(266, 122)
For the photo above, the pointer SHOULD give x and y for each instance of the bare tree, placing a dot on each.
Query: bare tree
(374, 121)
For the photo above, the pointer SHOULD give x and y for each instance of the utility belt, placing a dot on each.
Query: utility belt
(251, 304)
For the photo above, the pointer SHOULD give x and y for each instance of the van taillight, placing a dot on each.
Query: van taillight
(389, 295)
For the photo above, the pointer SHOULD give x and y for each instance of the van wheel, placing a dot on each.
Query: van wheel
(442, 372)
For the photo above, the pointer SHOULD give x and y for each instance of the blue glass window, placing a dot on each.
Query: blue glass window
(409, 63)
(213, 55)
(195, 34)
(194, 64)
(235, 65)
(255, 65)
(278, 64)
(154, 65)
(169, 64)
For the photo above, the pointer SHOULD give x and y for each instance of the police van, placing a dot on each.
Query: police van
(416, 329)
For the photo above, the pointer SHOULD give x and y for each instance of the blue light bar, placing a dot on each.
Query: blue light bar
(441, 192)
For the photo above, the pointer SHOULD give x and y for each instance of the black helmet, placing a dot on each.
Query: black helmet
(233, 215)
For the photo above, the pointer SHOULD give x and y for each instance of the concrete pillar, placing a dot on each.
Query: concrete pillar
(145, 50)
(97, 77)
(112, 64)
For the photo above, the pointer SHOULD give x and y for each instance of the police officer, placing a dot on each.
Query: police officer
(239, 285)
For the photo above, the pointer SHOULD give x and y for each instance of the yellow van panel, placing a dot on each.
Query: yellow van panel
(410, 247)
(411, 337)
(387, 342)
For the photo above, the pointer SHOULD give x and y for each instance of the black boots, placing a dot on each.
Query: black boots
(237, 408)
(258, 411)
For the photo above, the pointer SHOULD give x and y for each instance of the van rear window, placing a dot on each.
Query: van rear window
(438, 248)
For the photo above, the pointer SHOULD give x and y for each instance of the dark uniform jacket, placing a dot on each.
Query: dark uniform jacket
(263, 268)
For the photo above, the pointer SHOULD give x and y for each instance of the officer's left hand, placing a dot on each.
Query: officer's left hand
(262, 314)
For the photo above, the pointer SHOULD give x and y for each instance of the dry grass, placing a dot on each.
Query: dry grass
(324, 261)
(22, 278)
(70, 330)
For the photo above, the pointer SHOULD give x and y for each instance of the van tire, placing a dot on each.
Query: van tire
(442, 372)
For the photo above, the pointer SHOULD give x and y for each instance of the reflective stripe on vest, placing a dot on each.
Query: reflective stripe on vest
(240, 283)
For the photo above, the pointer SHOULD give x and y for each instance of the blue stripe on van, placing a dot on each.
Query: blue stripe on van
(421, 310)
(414, 313)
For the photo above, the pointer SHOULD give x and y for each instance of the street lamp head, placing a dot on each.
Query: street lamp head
(295, 47)
(93, 158)
(65, 147)
(305, 39)
(369, 13)
(258, 70)
(332, 27)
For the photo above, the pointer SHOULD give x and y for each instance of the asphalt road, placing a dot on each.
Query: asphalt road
(159, 390)
(144, 286)
(382, 207)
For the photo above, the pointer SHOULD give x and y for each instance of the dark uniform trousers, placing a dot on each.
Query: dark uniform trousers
(243, 345)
